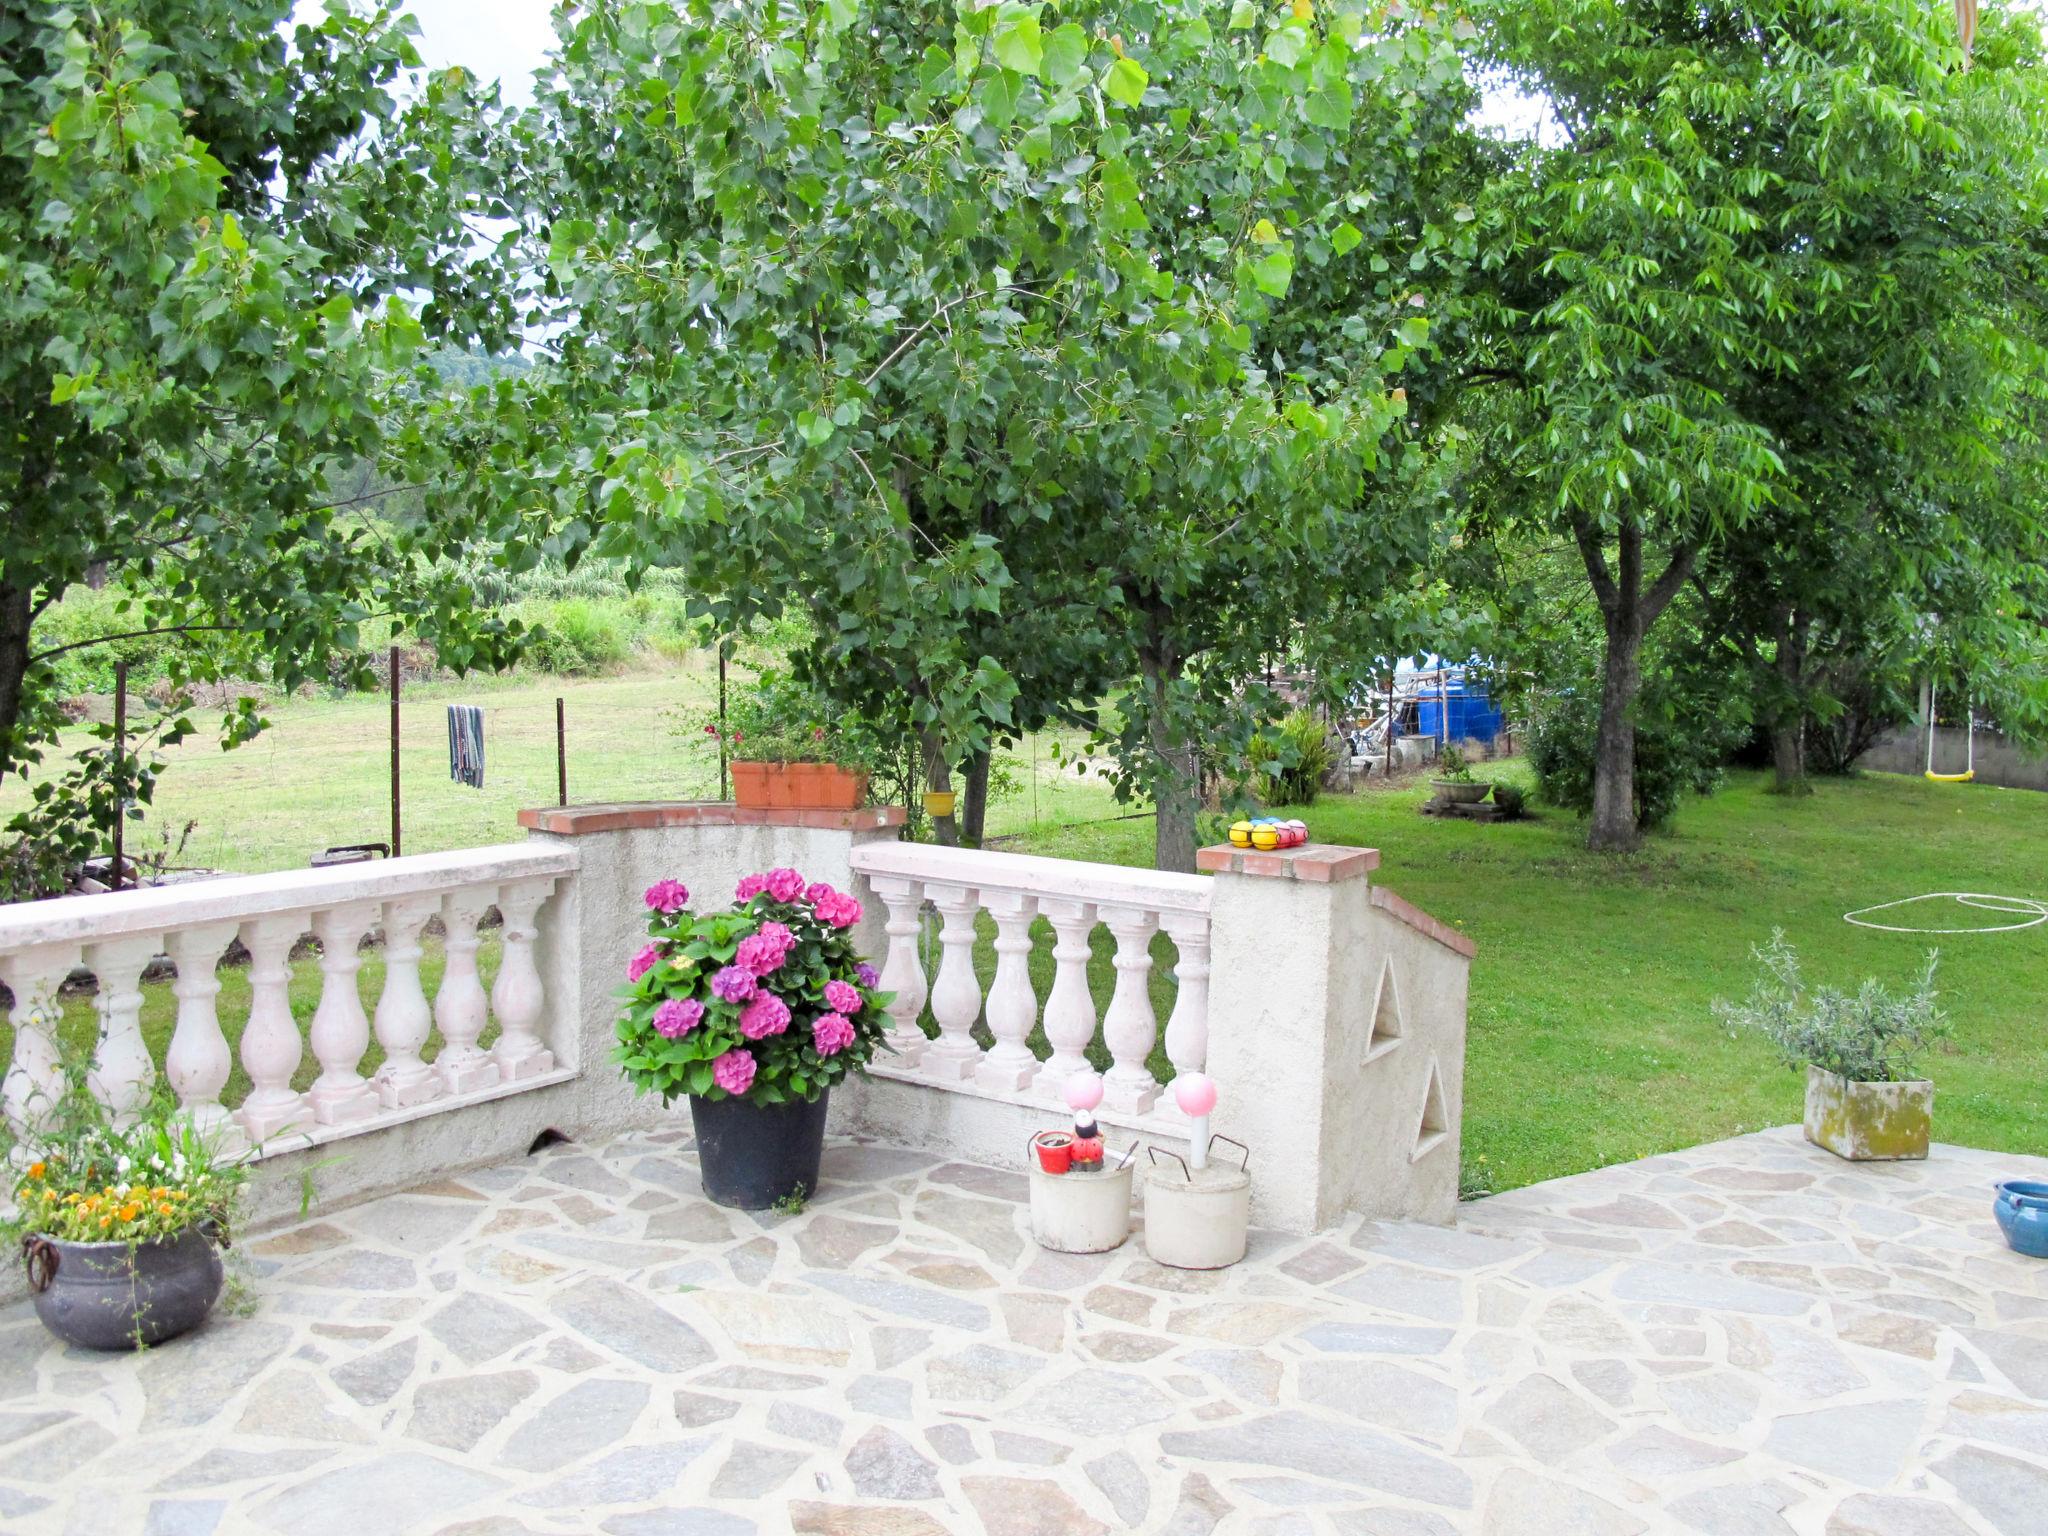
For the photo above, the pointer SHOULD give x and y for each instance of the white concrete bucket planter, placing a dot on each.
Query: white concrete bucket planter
(1197, 1219)
(1082, 1212)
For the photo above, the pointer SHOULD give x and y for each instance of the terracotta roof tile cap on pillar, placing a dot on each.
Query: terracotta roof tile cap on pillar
(1323, 863)
(643, 815)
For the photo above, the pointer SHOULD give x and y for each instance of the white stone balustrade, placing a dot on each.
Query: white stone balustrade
(1074, 899)
(116, 936)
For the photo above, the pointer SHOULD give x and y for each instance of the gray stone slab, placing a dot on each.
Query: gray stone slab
(399, 1491)
(587, 1417)
(1327, 1448)
(631, 1325)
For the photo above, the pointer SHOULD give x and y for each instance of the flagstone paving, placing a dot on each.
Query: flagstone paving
(1749, 1337)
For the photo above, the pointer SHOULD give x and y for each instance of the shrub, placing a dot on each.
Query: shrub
(1675, 756)
(579, 636)
(1870, 1036)
(779, 719)
(1509, 801)
(1289, 760)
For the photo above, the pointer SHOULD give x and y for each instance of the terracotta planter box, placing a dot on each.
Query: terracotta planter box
(797, 786)
(1868, 1122)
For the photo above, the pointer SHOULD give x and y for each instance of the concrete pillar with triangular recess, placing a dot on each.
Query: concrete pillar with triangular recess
(1337, 1036)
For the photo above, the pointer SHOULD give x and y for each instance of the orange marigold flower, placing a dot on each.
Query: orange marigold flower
(163, 1208)
(35, 1170)
(130, 1211)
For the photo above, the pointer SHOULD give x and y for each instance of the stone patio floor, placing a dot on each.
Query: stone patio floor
(1743, 1338)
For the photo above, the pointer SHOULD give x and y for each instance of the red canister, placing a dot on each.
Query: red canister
(1055, 1150)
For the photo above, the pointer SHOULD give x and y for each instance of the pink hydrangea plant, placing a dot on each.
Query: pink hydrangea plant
(761, 953)
(667, 896)
(749, 887)
(766, 1015)
(785, 885)
(734, 1071)
(736, 984)
(677, 1016)
(841, 998)
(643, 962)
(831, 1033)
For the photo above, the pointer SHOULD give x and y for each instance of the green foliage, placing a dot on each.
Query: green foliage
(214, 228)
(1452, 768)
(777, 718)
(85, 1179)
(1290, 759)
(1029, 358)
(1873, 1035)
(70, 816)
(1676, 757)
(579, 637)
(684, 1014)
(1509, 800)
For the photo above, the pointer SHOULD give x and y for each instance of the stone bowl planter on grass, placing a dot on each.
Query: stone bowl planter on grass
(124, 1295)
(1868, 1122)
(1459, 791)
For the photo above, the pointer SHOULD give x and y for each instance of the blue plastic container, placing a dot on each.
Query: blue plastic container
(2022, 1212)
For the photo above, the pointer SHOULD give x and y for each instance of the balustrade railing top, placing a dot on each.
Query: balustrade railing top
(117, 935)
(1073, 898)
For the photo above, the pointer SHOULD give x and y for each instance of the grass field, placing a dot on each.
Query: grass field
(1591, 1034)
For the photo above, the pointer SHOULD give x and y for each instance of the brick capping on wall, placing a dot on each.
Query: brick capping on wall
(1322, 863)
(646, 815)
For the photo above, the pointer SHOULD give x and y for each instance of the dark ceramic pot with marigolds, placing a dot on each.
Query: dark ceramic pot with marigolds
(752, 1013)
(121, 1227)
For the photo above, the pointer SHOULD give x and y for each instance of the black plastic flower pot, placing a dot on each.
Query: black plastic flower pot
(118, 1296)
(752, 1156)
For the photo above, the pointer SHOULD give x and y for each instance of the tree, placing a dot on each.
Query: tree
(931, 315)
(215, 235)
(1766, 223)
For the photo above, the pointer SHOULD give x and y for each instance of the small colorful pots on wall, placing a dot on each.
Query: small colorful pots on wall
(1268, 832)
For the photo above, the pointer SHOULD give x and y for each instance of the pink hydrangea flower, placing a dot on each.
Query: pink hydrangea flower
(840, 911)
(734, 1071)
(678, 1016)
(735, 984)
(760, 953)
(831, 1033)
(779, 932)
(818, 892)
(642, 963)
(766, 1015)
(667, 896)
(785, 885)
(748, 889)
(841, 998)
(869, 976)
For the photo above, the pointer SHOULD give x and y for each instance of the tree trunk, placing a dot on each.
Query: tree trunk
(1628, 610)
(1176, 794)
(17, 617)
(1788, 726)
(974, 799)
(1615, 824)
(938, 778)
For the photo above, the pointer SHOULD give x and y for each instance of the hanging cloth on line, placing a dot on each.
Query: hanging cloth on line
(466, 745)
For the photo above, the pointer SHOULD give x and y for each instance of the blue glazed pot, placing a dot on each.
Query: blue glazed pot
(2022, 1212)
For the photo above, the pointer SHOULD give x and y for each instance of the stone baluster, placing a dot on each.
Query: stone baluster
(460, 1008)
(902, 970)
(341, 1030)
(271, 1049)
(516, 996)
(956, 993)
(403, 1019)
(1129, 1027)
(198, 1062)
(1009, 1067)
(1070, 1006)
(122, 1072)
(1187, 1028)
(35, 1078)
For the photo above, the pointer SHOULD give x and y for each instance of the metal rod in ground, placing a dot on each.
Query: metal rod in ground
(396, 846)
(1389, 771)
(724, 788)
(561, 756)
(120, 765)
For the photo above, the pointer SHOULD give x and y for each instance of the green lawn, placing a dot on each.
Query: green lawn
(1591, 1035)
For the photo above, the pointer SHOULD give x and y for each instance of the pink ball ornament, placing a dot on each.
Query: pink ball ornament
(1084, 1090)
(1195, 1093)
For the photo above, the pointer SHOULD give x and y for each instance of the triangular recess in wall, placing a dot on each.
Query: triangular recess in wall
(1387, 1028)
(1435, 1126)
